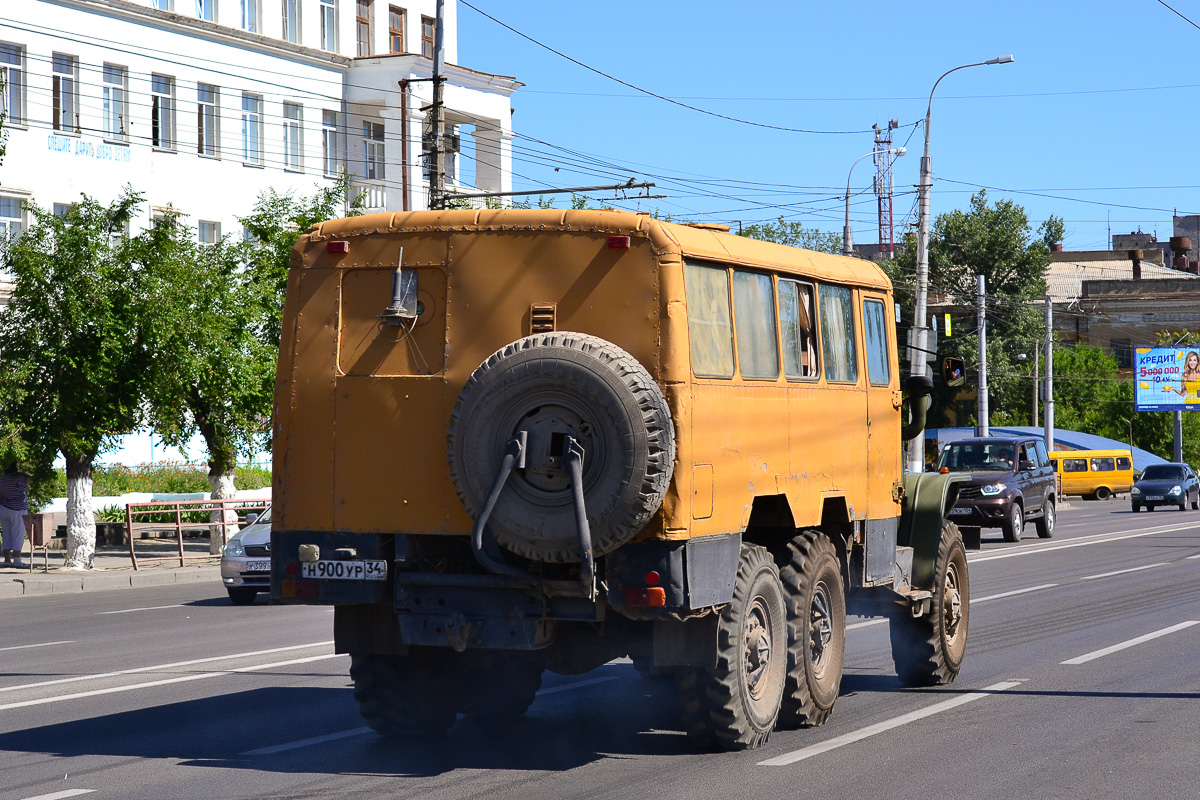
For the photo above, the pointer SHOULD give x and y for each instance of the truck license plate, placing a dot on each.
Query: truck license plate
(258, 566)
(345, 570)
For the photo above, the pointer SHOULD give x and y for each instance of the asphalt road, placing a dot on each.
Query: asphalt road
(1082, 679)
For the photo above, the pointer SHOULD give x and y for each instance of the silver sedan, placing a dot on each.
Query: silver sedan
(246, 561)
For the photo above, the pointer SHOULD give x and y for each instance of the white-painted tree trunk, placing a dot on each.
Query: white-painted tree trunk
(81, 524)
(222, 489)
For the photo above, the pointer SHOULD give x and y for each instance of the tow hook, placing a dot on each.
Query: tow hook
(922, 607)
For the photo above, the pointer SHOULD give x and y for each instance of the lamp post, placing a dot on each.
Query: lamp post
(847, 233)
(916, 448)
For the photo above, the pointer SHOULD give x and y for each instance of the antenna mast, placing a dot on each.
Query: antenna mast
(884, 186)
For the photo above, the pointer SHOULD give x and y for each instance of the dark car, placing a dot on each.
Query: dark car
(1012, 481)
(1166, 485)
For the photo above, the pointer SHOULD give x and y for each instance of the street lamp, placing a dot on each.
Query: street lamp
(916, 450)
(847, 233)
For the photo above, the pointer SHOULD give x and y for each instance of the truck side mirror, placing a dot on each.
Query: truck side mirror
(954, 370)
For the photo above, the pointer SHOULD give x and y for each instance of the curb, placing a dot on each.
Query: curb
(26, 585)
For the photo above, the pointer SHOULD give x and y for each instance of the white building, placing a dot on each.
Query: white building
(201, 105)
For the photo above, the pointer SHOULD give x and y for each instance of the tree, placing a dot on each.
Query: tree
(72, 344)
(998, 242)
(794, 234)
(213, 374)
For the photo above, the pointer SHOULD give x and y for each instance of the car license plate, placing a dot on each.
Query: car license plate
(1154, 497)
(345, 570)
(961, 510)
(258, 566)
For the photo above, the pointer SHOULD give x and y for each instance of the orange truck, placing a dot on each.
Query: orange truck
(511, 441)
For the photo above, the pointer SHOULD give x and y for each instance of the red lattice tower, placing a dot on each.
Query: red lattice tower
(884, 185)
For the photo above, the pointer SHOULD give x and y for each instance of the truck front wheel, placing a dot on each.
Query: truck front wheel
(736, 703)
(816, 629)
(928, 650)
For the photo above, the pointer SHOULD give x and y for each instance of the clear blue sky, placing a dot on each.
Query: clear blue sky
(1092, 122)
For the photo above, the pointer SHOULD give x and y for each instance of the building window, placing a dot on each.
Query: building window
(164, 5)
(250, 18)
(11, 219)
(427, 24)
(12, 76)
(66, 92)
(252, 108)
(60, 210)
(291, 20)
(208, 120)
(206, 9)
(373, 151)
(1122, 351)
(116, 102)
(329, 25)
(293, 125)
(330, 156)
(395, 29)
(209, 232)
(162, 111)
(362, 25)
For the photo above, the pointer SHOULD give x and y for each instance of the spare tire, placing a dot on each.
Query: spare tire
(554, 385)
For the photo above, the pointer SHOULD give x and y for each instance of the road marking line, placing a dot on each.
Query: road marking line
(61, 795)
(977, 600)
(868, 623)
(886, 725)
(1086, 657)
(1192, 558)
(1033, 549)
(194, 661)
(578, 685)
(43, 644)
(331, 737)
(131, 610)
(1122, 571)
(166, 682)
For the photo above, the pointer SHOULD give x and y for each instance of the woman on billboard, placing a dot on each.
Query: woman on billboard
(1190, 379)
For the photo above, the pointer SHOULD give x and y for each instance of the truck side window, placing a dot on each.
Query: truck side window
(879, 371)
(799, 334)
(837, 334)
(754, 320)
(709, 326)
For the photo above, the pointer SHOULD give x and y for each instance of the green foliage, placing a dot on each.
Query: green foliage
(72, 334)
(794, 234)
(164, 477)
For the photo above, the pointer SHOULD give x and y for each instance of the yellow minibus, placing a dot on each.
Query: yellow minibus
(1093, 474)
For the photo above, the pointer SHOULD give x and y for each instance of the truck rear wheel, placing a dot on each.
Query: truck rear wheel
(553, 386)
(929, 650)
(414, 695)
(816, 604)
(500, 686)
(737, 702)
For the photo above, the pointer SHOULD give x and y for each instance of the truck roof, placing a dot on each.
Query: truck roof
(702, 242)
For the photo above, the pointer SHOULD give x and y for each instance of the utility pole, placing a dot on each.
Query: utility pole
(981, 406)
(1036, 356)
(1178, 436)
(1049, 400)
(437, 175)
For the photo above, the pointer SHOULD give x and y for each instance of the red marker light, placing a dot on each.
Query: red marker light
(620, 242)
(654, 597)
(337, 247)
(652, 578)
(292, 569)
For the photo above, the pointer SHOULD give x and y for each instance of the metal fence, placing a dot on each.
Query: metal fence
(174, 511)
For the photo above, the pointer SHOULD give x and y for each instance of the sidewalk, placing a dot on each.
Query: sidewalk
(113, 569)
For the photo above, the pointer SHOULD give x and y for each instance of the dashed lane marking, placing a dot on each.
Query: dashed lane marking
(131, 610)
(1092, 656)
(886, 725)
(43, 644)
(1122, 571)
(65, 793)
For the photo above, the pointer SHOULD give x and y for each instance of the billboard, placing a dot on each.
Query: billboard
(1166, 378)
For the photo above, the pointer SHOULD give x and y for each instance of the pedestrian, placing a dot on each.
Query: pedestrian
(14, 503)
